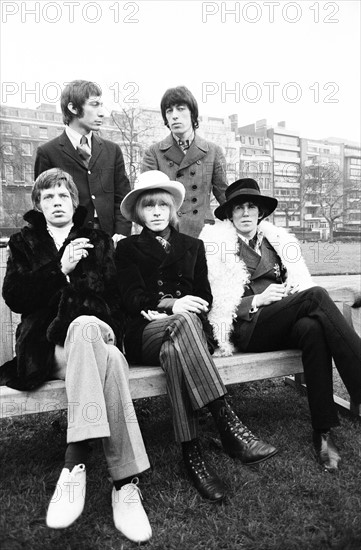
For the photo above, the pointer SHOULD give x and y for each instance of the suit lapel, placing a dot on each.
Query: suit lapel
(171, 150)
(177, 250)
(97, 146)
(198, 149)
(267, 263)
(150, 247)
(68, 149)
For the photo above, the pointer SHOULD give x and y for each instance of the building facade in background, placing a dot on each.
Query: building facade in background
(287, 166)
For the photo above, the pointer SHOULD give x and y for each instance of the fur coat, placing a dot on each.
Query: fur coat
(229, 277)
(35, 286)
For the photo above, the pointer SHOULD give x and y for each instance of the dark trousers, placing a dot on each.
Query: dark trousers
(179, 345)
(312, 322)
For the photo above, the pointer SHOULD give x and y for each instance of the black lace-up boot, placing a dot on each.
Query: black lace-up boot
(202, 475)
(238, 441)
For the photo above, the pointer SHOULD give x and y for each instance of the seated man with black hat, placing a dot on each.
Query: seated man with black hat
(270, 303)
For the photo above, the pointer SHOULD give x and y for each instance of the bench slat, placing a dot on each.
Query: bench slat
(150, 381)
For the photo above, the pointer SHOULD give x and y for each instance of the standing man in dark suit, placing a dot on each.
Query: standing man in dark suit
(184, 156)
(96, 164)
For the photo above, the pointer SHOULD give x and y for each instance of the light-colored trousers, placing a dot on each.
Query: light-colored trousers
(99, 402)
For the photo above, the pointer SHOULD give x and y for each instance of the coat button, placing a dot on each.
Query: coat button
(198, 161)
(180, 274)
(194, 199)
(89, 171)
(160, 283)
(93, 197)
(179, 214)
(193, 172)
(194, 186)
(160, 294)
(195, 211)
(178, 293)
(171, 163)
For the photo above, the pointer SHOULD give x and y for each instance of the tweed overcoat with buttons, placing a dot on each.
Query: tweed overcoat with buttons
(202, 170)
(147, 274)
(35, 286)
(102, 185)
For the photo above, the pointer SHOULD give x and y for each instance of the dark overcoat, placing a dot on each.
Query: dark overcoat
(202, 171)
(35, 286)
(102, 185)
(147, 274)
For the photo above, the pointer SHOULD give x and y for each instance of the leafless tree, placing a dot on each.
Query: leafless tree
(323, 184)
(134, 125)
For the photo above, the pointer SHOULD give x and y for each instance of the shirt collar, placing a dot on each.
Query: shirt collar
(189, 137)
(259, 240)
(75, 137)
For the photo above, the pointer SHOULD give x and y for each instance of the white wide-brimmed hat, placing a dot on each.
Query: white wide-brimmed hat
(153, 179)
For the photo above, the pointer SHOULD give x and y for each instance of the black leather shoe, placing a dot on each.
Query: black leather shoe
(238, 441)
(326, 450)
(202, 475)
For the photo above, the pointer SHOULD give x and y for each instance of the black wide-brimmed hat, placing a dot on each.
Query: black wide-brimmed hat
(244, 190)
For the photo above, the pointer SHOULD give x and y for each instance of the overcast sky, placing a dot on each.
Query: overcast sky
(279, 60)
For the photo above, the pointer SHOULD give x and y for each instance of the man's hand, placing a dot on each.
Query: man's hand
(73, 253)
(117, 237)
(273, 293)
(151, 315)
(192, 304)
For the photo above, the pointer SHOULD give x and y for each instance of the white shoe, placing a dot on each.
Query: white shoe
(128, 513)
(67, 502)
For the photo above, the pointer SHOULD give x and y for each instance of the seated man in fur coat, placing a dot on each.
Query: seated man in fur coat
(61, 277)
(269, 302)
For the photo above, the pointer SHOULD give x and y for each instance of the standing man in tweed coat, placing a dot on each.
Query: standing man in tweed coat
(184, 156)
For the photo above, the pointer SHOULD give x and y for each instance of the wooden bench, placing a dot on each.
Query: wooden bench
(150, 381)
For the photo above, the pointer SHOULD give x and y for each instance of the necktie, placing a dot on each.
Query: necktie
(165, 244)
(84, 151)
(252, 242)
(184, 145)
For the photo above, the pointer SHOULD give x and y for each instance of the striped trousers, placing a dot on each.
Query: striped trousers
(179, 345)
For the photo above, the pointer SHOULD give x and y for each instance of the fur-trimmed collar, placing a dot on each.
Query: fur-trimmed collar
(228, 274)
(37, 219)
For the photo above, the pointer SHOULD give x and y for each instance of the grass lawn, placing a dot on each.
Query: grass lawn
(286, 503)
(323, 258)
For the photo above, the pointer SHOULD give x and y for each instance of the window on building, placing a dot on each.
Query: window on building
(243, 139)
(286, 140)
(289, 154)
(7, 148)
(43, 132)
(25, 130)
(9, 173)
(5, 128)
(356, 162)
(267, 183)
(355, 172)
(260, 142)
(26, 149)
(28, 173)
(251, 140)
